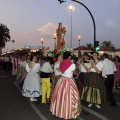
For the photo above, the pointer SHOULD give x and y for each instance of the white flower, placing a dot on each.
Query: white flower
(49, 53)
(61, 51)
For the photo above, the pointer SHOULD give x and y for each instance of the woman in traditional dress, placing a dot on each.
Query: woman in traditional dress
(31, 86)
(117, 73)
(21, 73)
(94, 88)
(65, 102)
(57, 72)
(83, 67)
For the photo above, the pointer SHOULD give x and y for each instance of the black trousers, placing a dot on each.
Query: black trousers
(4, 65)
(109, 81)
(9, 66)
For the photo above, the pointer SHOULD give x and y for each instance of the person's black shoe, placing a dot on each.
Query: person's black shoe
(48, 103)
(113, 104)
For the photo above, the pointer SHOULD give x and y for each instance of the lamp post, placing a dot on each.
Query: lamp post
(42, 40)
(55, 36)
(71, 8)
(94, 25)
(79, 38)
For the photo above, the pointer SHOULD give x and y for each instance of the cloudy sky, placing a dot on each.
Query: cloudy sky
(29, 20)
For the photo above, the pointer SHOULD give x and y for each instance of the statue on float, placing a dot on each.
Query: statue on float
(61, 31)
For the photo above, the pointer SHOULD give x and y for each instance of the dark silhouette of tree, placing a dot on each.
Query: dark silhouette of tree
(108, 45)
(4, 35)
(89, 46)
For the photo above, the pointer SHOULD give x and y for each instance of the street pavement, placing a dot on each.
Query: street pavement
(13, 106)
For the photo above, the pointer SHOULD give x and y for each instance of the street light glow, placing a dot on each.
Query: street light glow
(55, 35)
(71, 8)
(42, 40)
(79, 37)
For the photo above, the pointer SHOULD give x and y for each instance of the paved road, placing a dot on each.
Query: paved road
(13, 106)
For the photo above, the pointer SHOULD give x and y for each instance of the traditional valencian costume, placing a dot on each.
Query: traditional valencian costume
(21, 73)
(65, 102)
(94, 89)
(31, 86)
(57, 74)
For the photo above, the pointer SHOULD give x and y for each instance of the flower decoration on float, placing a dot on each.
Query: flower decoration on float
(49, 53)
(73, 53)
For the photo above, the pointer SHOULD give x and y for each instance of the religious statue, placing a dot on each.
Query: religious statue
(61, 31)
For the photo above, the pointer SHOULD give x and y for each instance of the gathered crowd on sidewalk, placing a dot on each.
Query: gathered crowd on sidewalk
(64, 82)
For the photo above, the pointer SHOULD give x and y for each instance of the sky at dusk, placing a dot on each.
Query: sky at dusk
(29, 20)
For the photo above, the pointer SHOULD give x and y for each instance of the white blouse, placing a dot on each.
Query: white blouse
(99, 65)
(34, 69)
(82, 69)
(22, 63)
(57, 65)
(46, 67)
(69, 71)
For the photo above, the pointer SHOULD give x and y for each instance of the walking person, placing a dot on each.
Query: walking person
(46, 71)
(6, 60)
(21, 73)
(14, 65)
(57, 72)
(10, 63)
(31, 86)
(108, 73)
(94, 89)
(83, 67)
(117, 73)
(65, 102)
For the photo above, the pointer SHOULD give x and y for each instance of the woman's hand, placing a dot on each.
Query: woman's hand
(92, 63)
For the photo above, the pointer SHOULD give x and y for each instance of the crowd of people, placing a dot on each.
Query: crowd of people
(64, 83)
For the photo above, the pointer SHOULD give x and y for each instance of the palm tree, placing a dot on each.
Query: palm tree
(4, 35)
(89, 46)
(108, 45)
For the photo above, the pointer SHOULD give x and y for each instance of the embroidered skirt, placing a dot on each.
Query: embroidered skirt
(32, 86)
(65, 102)
(21, 73)
(54, 82)
(94, 89)
(80, 83)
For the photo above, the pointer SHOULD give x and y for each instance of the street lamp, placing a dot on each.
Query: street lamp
(55, 36)
(42, 40)
(79, 38)
(71, 8)
(94, 25)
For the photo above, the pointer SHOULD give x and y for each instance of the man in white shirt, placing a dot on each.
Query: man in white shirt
(108, 73)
